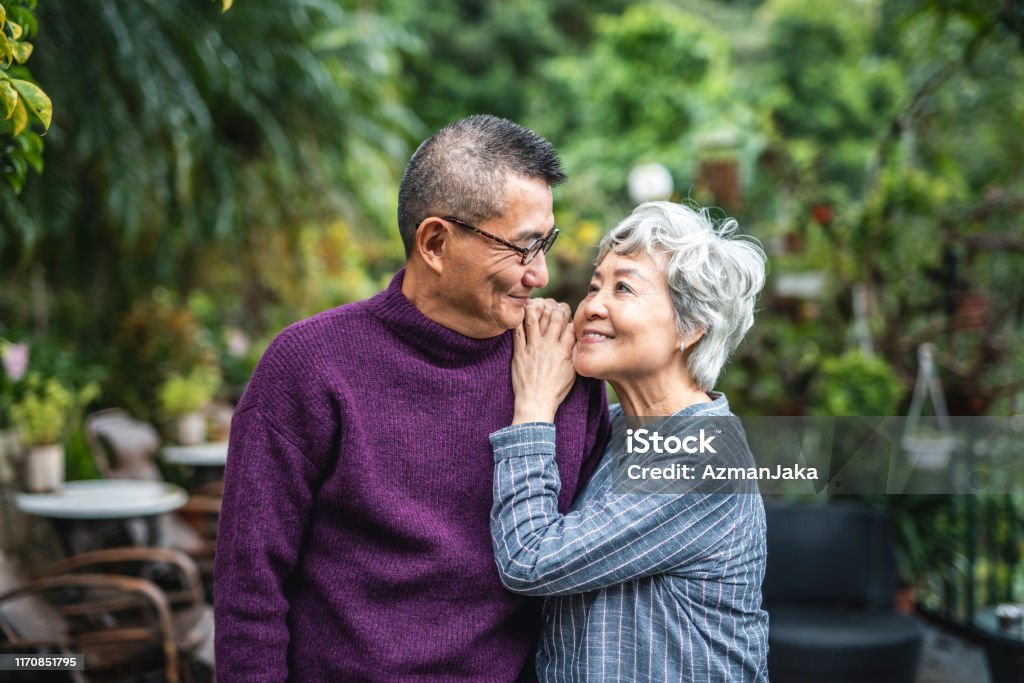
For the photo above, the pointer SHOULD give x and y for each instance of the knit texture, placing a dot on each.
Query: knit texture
(354, 539)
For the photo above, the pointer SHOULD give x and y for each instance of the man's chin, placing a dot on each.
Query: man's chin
(514, 317)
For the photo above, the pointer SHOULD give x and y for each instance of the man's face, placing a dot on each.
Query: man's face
(485, 284)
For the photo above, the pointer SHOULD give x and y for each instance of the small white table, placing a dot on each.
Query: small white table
(102, 500)
(213, 454)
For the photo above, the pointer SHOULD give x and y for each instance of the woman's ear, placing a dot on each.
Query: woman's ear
(689, 341)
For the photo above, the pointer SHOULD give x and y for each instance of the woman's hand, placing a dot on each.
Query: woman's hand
(542, 370)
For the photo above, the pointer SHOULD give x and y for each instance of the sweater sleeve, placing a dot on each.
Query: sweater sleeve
(280, 437)
(614, 539)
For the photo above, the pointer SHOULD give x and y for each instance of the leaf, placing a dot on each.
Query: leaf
(16, 30)
(9, 97)
(20, 117)
(36, 100)
(3, 16)
(24, 17)
(22, 51)
(225, 5)
(6, 53)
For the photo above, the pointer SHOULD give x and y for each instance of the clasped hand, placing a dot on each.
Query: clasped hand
(542, 368)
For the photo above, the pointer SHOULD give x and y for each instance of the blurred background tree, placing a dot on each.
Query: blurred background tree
(195, 150)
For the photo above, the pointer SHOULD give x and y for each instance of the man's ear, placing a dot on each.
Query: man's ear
(433, 240)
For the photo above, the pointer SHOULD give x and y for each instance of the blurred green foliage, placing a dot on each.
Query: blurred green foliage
(213, 176)
(652, 79)
(856, 383)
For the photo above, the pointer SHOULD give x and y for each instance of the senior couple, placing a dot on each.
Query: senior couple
(405, 473)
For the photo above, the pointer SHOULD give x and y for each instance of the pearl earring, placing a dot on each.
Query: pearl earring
(682, 347)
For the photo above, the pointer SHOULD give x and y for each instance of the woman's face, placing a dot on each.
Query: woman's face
(625, 327)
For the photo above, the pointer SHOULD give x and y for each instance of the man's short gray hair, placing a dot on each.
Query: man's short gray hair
(713, 276)
(461, 171)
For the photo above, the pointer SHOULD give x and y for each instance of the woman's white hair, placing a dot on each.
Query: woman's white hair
(714, 276)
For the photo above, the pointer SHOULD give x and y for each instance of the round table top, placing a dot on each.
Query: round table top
(104, 499)
(986, 620)
(214, 454)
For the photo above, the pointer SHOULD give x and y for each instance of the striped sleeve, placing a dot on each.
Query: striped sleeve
(614, 539)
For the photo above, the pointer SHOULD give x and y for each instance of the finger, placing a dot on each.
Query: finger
(567, 340)
(566, 311)
(531, 322)
(568, 332)
(558, 322)
(519, 338)
(544, 319)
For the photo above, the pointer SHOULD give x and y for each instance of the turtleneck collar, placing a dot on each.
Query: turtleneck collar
(429, 338)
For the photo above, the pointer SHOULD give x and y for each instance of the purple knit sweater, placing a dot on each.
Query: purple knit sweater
(354, 539)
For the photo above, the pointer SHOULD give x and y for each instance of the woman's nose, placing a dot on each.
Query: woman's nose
(593, 307)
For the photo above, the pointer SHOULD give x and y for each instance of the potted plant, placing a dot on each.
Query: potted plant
(44, 415)
(182, 398)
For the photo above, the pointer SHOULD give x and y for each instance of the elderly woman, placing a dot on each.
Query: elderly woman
(641, 586)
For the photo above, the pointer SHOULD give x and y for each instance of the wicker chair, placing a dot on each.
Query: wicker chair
(177, 577)
(123, 626)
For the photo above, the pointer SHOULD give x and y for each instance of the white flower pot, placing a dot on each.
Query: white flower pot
(190, 429)
(929, 452)
(44, 468)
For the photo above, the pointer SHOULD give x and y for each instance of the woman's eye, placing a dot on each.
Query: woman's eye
(622, 287)
(592, 288)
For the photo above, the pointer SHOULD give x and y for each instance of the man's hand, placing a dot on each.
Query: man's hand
(542, 370)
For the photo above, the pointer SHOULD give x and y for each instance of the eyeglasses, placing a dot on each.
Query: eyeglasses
(527, 253)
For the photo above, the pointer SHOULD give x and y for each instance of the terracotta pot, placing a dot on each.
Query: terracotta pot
(190, 429)
(905, 600)
(44, 468)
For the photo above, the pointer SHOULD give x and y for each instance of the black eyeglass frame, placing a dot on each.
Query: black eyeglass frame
(526, 254)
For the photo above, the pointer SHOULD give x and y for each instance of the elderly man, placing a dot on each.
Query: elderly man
(354, 538)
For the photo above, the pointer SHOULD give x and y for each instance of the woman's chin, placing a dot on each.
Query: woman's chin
(587, 369)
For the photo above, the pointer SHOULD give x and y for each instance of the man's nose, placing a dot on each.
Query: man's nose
(536, 275)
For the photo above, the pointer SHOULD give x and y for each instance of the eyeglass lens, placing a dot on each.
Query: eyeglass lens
(544, 244)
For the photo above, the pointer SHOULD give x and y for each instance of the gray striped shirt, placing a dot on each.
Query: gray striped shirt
(640, 587)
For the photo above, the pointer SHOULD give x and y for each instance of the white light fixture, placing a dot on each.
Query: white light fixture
(649, 183)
